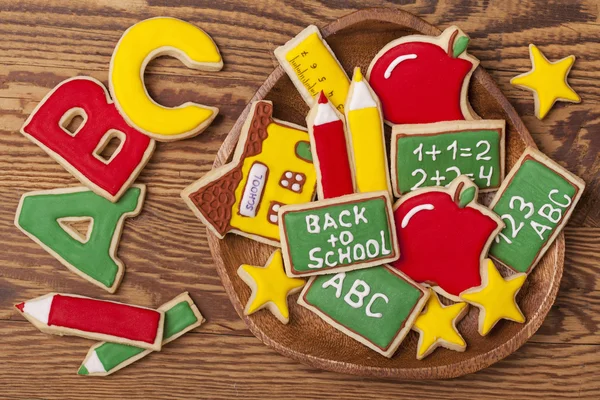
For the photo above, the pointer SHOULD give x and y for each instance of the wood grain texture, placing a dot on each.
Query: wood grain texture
(45, 42)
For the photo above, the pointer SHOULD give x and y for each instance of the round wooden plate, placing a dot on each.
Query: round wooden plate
(355, 39)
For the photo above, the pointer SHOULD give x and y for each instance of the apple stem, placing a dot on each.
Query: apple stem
(456, 197)
(451, 44)
(457, 44)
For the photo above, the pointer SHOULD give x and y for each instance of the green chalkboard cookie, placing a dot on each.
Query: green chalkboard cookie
(340, 234)
(535, 202)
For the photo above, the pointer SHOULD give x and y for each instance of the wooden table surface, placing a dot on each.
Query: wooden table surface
(43, 42)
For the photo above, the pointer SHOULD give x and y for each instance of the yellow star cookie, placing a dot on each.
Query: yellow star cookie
(437, 327)
(495, 298)
(548, 81)
(270, 287)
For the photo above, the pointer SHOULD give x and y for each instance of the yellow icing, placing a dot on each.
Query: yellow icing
(141, 43)
(270, 286)
(279, 155)
(548, 81)
(495, 298)
(437, 326)
(317, 69)
(366, 131)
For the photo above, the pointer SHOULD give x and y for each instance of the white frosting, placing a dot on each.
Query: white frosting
(39, 309)
(361, 97)
(412, 213)
(325, 114)
(253, 190)
(93, 364)
(394, 64)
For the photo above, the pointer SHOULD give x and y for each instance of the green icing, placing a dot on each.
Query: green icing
(303, 151)
(458, 154)
(177, 319)
(402, 299)
(83, 370)
(466, 196)
(39, 215)
(460, 46)
(367, 235)
(527, 229)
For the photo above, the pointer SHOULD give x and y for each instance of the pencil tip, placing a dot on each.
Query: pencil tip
(82, 370)
(357, 75)
(323, 98)
(20, 306)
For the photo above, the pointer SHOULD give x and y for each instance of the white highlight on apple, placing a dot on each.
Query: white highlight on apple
(394, 64)
(39, 309)
(412, 213)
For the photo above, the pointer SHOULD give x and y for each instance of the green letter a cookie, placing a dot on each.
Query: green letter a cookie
(41, 215)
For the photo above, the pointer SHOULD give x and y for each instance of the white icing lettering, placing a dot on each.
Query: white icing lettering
(327, 262)
(372, 243)
(253, 189)
(358, 216)
(370, 304)
(329, 222)
(553, 191)
(344, 256)
(540, 229)
(337, 281)
(346, 237)
(360, 295)
(488, 177)
(312, 257)
(550, 213)
(312, 224)
(344, 213)
(362, 255)
(384, 251)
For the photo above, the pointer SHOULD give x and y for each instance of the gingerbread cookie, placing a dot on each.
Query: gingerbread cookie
(73, 315)
(104, 358)
(329, 148)
(548, 81)
(140, 44)
(270, 287)
(534, 213)
(376, 306)
(421, 79)
(444, 236)
(434, 154)
(45, 215)
(496, 298)
(311, 65)
(341, 234)
(79, 152)
(366, 137)
(437, 327)
(271, 167)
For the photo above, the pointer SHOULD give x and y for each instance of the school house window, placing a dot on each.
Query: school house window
(293, 181)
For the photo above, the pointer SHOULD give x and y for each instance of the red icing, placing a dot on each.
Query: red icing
(20, 306)
(98, 316)
(78, 150)
(443, 245)
(322, 98)
(421, 90)
(334, 165)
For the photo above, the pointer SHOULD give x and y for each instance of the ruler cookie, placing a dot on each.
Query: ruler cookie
(313, 68)
(422, 79)
(534, 214)
(45, 217)
(73, 315)
(435, 154)
(342, 234)
(375, 306)
(181, 316)
(272, 166)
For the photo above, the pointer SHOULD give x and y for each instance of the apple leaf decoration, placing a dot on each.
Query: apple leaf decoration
(466, 196)
(460, 46)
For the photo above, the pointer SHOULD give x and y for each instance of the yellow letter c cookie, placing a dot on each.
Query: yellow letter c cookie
(140, 44)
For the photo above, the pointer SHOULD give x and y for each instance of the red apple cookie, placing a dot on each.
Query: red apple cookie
(444, 236)
(423, 79)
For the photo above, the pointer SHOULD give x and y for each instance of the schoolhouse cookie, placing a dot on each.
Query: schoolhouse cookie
(436, 326)
(421, 79)
(496, 298)
(45, 217)
(327, 130)
(270, 287)
(73, 315)
(534, 214)
(375, 306)
(444, 236)
(548, 81)
(272, 166)
(365, 137)
(313, 68)
(140, 44)
(434, 154)
(340, 234)
(104, 358)
(80, 151)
